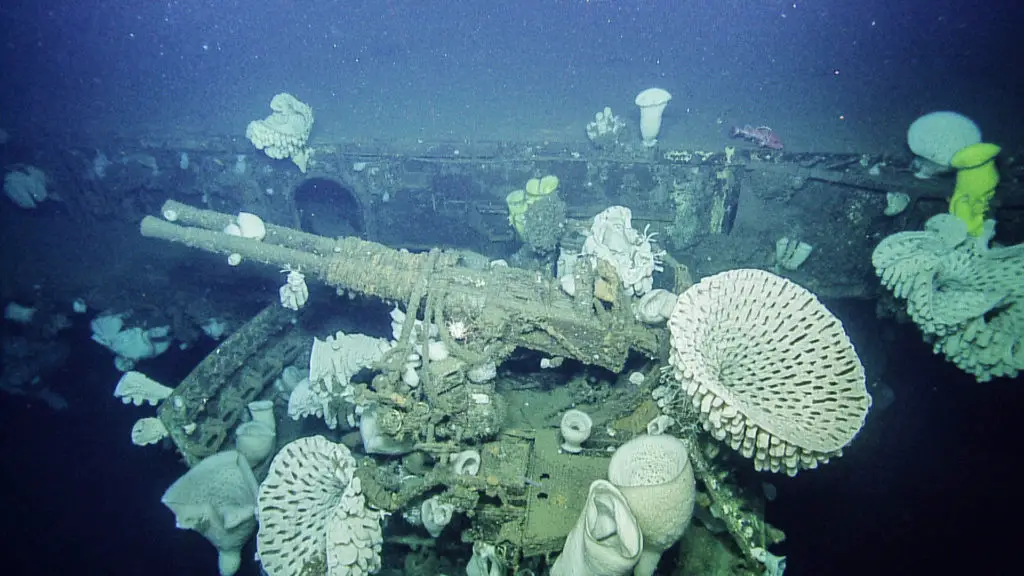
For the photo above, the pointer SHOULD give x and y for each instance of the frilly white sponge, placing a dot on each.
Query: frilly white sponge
(284, 133)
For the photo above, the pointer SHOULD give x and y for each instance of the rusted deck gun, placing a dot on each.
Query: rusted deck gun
(517, 307)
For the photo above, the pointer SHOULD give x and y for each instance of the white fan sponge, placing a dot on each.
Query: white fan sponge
(769, 368)
(137, 388)
(313, 516)
(217, 498)
(938, 135)
(923, 267)
(284, 133)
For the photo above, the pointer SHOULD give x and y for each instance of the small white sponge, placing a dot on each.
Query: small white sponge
(148, 431)
(26, 187)
(137, 388)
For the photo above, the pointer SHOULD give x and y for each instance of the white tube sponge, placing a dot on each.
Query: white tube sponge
(606, 540)
(284, 133)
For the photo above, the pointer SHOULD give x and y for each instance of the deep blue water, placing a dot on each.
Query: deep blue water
(826, 75)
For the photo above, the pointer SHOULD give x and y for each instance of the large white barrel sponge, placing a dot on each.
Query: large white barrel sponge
(769, 368)
(284, 133)
(655, 476)
(936, 136)
(313, 515)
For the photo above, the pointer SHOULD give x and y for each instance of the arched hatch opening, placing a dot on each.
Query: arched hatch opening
(326, 208)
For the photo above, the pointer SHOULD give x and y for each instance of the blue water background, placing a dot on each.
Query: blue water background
(826, 75)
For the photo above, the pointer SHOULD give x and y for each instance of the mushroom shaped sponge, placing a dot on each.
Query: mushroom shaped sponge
(769, 368)
(937, 136)
(284, 133)
(313, 515)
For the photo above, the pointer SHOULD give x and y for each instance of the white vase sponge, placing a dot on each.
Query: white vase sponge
(255, 441)
(263, 411)
(575, 428)
(652, 104)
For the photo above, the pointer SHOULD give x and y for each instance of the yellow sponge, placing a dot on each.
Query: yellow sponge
(517, 204)
(536, 188)
(976, 180)
(519, 200)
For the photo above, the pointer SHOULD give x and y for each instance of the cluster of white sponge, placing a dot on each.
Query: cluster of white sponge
(630, 519)
(964, 295)
(332, 364)
(129, 344)
(612, 238)
(285, 133)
